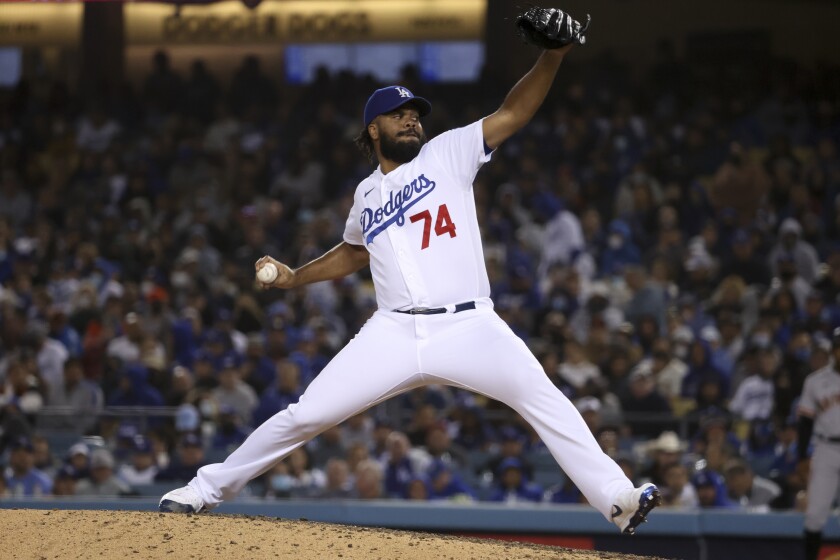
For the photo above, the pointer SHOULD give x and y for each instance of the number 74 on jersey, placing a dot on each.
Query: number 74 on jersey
(443, 224)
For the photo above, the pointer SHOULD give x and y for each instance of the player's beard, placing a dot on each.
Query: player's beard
(395, 149)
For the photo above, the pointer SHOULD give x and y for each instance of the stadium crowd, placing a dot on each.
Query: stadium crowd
(665, 243)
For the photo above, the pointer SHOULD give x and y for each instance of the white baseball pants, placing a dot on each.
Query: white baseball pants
(395, 352)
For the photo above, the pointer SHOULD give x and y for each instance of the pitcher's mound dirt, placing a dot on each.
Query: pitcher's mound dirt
(126, 535)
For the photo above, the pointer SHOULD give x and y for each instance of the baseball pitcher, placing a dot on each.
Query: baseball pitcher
(413, 221)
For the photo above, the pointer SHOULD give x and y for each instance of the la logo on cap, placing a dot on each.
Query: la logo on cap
(403, 92)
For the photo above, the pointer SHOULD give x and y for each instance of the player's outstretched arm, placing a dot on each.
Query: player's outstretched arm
(547, 28)
(523, 101)
(338, 262)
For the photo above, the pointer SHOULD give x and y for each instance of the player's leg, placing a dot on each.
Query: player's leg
(381, 361)
(479, 352)
(822, 489)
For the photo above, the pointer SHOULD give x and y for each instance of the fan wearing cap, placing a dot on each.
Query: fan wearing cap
(233, 391)
(102, 481)
(22, 478)
(513, 486)
(711, 490)
(446, 484)
(819, 416)
(141, 468)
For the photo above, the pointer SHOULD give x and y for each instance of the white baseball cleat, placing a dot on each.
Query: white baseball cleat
(182, 500)
(634, 505)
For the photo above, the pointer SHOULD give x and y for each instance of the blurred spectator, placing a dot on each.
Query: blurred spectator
(356, 453)
(15, 202)
(229, 432)
(232, 392)
(50, 355)
(82, 399)
(676, 490)
(666, 451)
(563, 240)
(126, 348)
(643, 397)
(575, 369)
(439, 446)
(512, 447)
(65, 482)
(201, 92)
(188, 459)
(163, 87)
(368, 481)
(424, 419)
(142, 468)
(513, 486)
(251, 88)
(295, 477)
(78, 458)
(43, 457)
(181, 385)
(711, 490)
(398, 465)
(285, 391)
(418, 489)
(620, 250)
(668, 369)
(187, 419)
(791, 243)
(747, 489)
(358, 429)
(339, 484)
(257, 369)
(22, 478)
(327, 446)
(472, 432)
(590, 410)
(102, 481)
(754, 398)
(135, 390)
(744, 263)
(96, 131)
(647, 298)
(446, 484)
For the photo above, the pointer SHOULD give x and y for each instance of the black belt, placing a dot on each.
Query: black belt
(828, 439)
(467, 305)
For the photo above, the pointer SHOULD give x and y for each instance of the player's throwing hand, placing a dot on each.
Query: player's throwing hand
(285, 275)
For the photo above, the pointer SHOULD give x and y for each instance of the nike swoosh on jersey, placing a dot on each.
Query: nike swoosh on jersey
(370, 191)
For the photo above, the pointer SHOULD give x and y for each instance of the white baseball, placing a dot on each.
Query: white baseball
(267, 274)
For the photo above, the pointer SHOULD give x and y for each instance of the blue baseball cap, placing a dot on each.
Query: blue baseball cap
(389, 98)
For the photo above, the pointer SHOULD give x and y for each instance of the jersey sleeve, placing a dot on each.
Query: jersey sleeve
(353, 226)
(807, 402)
(461, 151)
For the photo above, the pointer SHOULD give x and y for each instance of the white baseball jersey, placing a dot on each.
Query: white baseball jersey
(419, 224)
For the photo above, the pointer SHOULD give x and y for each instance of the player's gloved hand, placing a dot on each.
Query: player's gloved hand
(285, 275)
(550, 28)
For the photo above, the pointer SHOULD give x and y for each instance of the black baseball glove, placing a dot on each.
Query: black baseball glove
(550, 28)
